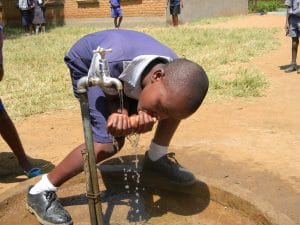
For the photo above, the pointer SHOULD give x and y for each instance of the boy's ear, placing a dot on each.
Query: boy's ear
(157, 75)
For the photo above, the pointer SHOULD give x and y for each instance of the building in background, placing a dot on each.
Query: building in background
(58, 12)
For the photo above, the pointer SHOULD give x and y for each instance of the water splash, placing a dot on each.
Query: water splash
(136, 202)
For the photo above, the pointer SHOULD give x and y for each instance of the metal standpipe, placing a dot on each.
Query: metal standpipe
(90, 168)
(98, 75)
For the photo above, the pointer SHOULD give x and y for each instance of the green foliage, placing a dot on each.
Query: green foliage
(265, 5)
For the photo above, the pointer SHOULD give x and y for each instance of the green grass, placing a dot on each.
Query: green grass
(37, 80)
(266, 6)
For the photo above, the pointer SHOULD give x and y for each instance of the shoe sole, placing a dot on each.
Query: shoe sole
(43, 222)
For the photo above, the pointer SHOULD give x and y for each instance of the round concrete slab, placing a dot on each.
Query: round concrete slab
(129, 195)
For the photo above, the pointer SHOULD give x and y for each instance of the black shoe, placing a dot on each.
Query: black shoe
(170, 168)
(291, 68)
(48, 209)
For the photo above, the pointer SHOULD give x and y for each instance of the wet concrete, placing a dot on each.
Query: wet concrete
(142, 198)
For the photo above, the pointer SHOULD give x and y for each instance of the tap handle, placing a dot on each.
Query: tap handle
(102, 51)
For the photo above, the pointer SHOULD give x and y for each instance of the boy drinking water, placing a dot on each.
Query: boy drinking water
(158, 88)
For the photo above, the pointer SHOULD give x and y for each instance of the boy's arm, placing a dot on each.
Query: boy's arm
(165, 130)
(181, 3)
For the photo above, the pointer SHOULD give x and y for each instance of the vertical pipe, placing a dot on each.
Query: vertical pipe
(90, 169)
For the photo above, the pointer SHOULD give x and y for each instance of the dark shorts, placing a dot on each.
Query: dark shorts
(116, 12)
(294, 26)
(26, 16)
(175, 10)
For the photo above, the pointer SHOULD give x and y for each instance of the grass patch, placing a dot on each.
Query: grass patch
(222, 52)
(37, 80)
(209, 21)
(265, 5)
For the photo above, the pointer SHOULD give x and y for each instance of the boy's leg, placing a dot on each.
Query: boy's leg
(120, 16)
(43, 28)
(120, 21)
(176, 12)
(37, 28)
(41, 198)
(37, 200)
(295, 44)
(116, 22)
(158, 160)
(293, 66)
(11, 137)
(73, 163)
(175, 20)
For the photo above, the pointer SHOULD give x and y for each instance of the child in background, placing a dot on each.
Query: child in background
(175, 6)
(116, 12)
(39, 20)
(9, 132)
(26, 11)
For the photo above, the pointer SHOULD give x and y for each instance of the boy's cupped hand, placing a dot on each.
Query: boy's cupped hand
(121, 124)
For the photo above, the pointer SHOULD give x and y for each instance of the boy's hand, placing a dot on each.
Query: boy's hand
(286, 28)
(142, 122)
(119, 125)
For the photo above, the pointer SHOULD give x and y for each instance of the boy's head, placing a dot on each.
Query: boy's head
(174, 90)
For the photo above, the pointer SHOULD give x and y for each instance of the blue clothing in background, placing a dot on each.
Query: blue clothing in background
(114, 3)
(174, 2)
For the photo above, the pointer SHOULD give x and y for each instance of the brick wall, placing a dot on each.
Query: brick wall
(131, 8)
(60, 10)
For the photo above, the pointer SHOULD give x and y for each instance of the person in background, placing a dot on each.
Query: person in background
(26, 10)
(9, 132)
(116, 12)
(39, 20)
(292, 29)
(175, 6)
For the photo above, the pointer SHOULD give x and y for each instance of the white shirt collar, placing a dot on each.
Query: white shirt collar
(132, 74)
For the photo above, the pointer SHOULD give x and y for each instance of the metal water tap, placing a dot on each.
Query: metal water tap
(99, 74)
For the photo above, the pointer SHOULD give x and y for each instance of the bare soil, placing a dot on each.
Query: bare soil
(251, 143)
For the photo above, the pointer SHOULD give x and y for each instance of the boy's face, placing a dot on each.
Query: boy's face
(158, 102)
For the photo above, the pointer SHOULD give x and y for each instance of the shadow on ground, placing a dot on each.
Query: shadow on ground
(144, 204)
(11, 172)
(152, 196)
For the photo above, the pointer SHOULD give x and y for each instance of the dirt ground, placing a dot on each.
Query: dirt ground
(251, 143)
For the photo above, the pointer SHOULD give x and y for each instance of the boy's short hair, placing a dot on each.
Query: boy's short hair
(184, 77)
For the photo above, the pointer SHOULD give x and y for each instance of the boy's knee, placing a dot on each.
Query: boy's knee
(104, 151)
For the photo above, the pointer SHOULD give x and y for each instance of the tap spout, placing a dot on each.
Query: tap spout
(82, 85)
(109, 82)
(99, 74)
